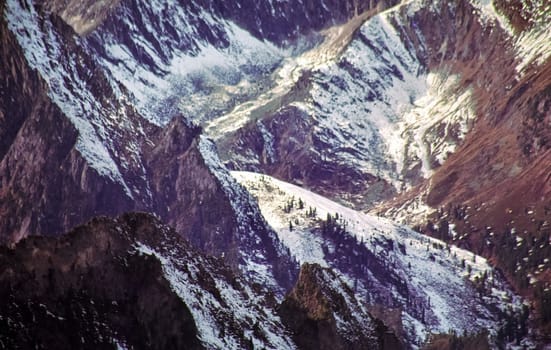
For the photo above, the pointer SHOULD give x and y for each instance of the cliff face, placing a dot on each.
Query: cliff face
(457, 127)
(89, 289)
(492, 195)
(511, 131)
(80, 150)
(323, 313)
(129, 281)
(134, 282)
(46, 186)
(495, 188)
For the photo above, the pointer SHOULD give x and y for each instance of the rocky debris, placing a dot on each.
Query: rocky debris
(82, 16)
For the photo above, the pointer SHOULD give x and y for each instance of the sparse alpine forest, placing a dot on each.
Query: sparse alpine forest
(275, 174)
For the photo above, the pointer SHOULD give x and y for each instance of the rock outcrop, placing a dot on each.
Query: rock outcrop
(323, 313)
(133, 282)
(90, 289)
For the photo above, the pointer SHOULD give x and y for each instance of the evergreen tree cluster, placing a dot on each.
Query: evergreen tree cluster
(333, 224)
(292, 204)
(514, 327)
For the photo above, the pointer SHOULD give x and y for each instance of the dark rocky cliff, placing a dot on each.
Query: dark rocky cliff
(323, 313)
(134, 282)
(89, 289)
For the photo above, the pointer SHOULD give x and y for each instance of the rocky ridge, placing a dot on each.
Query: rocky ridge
(172, 171)
(132, 282)
(106, 119)
(322, 313)
(416, 284)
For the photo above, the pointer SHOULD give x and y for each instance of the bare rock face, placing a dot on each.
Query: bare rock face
(186, 194)
(504, 140)
(52, 178)
(90, 289)
(274, 21)
(46, 185)
(283, 21)
(323, 313)
(82, 16)
(16, 76)
(493, 191)
(286, 146)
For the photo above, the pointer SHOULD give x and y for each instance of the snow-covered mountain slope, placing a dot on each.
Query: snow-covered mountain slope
(108, 159)
(202, 58)
(146, 62)
(500, 172)
(435, 286)
(287, 76)
(132, 281)
(356, 103)
(393, 105)
(374, 108)
(252, 245)
(174, 58)
(228, 311)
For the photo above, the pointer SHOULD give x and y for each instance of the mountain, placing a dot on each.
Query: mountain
(383, 107)
(107, 164)
(425, 281)
(322, 313)
(132, 282)
(399, 99)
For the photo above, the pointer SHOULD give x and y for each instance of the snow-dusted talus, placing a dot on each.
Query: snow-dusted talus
(204, 57)
(174, 56)
(437, 287)
(378, 110)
